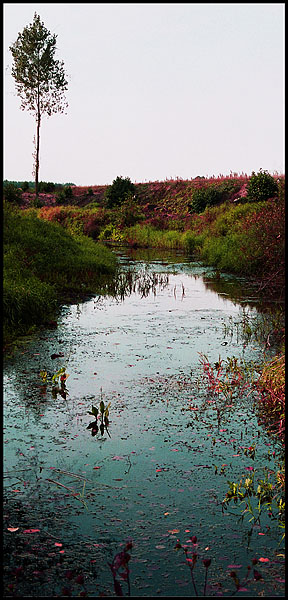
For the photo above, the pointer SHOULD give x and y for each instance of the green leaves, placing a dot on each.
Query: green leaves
(94, 412)
(40, 79)
(261, 187)
(104, 412)
(119, 191)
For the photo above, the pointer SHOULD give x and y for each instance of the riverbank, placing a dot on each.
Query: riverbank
(44, 265)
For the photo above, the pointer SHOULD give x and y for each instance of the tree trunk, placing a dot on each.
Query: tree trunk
(37, 155)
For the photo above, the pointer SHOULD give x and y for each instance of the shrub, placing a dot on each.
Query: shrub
(205, 196)
(65, 194)
(120, 189)
(11, 193)
(261, 186)
(129, 212)
(46, 187)
(110, 232)
(212, 195)
(191, 242)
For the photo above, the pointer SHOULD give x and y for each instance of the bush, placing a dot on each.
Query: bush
(65, 194)
(119, 191)
(11, 193)
(212, 195)
(129, 212)
(205, 196)
(46, 187)
(110, 232)
(25, 186)
(261, 187)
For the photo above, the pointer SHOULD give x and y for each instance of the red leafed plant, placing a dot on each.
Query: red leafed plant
(119, 566)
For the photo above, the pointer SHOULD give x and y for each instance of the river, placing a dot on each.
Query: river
(160, 470)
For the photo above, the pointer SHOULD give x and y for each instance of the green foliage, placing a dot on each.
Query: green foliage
(261, 186)
(39, 78)
(43, 265)
(258, 496)
(110, 232)
(129, 212)
(46, 187)
(64, 194)
(212, 195)
(119, 191)
(104, 416)
(11, 193)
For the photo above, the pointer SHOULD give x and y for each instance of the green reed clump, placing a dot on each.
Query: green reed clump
(43, 265)
(147, 236)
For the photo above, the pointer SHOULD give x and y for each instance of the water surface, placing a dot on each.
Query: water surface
(152, 477)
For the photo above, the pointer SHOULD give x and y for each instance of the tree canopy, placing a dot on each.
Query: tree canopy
(40, 79)
(119, 191)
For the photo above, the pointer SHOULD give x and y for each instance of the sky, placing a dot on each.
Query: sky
(155, 92)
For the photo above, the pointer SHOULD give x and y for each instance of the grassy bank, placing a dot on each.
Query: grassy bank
(246, 238)
(44, 265)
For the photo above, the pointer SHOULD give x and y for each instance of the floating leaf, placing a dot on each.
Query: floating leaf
(173, 531)
(264, 560)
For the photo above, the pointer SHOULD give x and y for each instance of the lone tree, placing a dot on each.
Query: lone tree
(120, 190)
(40, 79)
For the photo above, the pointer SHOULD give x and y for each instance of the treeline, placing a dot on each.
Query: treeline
(29, 186)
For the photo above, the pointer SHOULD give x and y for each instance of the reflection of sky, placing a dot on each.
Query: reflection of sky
(144, 336)
(196, 297)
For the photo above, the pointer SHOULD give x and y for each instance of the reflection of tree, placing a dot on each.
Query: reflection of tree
(238, 291)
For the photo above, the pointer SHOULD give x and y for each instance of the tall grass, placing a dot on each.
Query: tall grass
(43, 265)
(271, 386)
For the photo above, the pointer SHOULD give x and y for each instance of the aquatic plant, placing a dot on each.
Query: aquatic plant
(119, 566)
(59, 377)
(268, 495)
(192, 559)
(226, 378)
(267, 328)
(104, 414)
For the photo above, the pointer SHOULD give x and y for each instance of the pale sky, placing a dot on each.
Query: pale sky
(155, 92)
